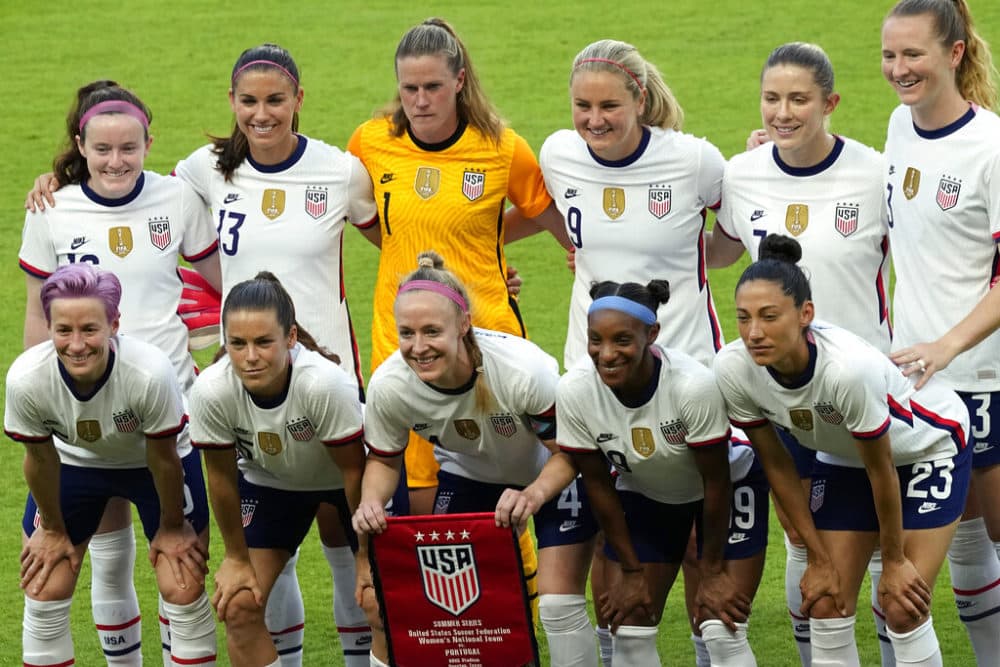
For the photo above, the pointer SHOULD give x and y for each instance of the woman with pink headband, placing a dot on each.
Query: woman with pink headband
(138, 224)
(453, 381)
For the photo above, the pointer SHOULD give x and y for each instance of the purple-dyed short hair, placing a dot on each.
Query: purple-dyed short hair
(82, 281)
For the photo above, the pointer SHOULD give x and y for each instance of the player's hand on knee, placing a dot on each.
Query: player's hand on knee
(821, 580)
(42, 553)
(183, 552)
(234, 575)
(902, 589)
(719, 597)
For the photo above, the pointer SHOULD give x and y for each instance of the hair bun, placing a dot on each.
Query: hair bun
(780, 248)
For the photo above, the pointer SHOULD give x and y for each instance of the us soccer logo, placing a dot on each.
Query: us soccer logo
(315, 202)
(159, 232)
(659, 202)
(126, 421)
(449, 576)
(473, 184)
(504, 424)
(816, 495)
(829, 414)
(947, 194)
(301, 429)
(846, 220)
(674, 432)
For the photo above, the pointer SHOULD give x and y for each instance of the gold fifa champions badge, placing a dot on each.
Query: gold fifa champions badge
(796, 218)
(614, 202)
(911, 183)
(272, 204)
(802, 418)
(467, 428)
(88, 430)
(269, 443)
(120, 240)
(642, 442)
(427, 182)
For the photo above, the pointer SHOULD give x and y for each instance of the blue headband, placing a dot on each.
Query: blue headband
(627, 306)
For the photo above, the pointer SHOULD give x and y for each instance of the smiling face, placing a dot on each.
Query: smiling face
(922, 70)
(606, 114)
(115, 147)
(81, 333)
(794, 110)
(265, 102)
(428, 91)
(258, 350)
(618, 345)
(771, 326)
(431, 330)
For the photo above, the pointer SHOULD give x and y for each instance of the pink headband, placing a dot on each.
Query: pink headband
(265, 62)
(440, 288)
(115, 106)
(617, 64)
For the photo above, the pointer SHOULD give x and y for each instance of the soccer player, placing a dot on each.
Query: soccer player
(99, 416)
(892, 465)
(449, 378)
(827, 192)
(280, 425)
(114, 214)
(656, 415)
(942, 155)
(443, 165)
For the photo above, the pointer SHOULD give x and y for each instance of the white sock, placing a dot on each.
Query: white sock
(285, 615)
(45, 636)
(884, 645)
(975, 580)
(113, 600)
(795, 567)
(192, 629)
(832, 642)
(567, 627)
(605, 643)
(727, 649)
(375, 662)
(635, 646)
(918, 646)
(701, 658)
(352, 626)
(164, 623)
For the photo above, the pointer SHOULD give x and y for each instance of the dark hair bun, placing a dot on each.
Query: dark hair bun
(659, 290)
(780, 248)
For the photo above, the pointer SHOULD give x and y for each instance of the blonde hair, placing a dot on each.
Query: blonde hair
(436, 37)
(661, 108)
(976, 76)
(430, 266)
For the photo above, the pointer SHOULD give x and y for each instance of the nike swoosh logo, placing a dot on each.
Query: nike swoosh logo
(77, 243)
(386, 178)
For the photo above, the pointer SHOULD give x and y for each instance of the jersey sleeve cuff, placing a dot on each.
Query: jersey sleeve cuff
(26, 439)
(713, 441)
(752, 423)
(874, 434)
(170, 432)
(214, 446)
(207, 252)
(385, 452)
(367, 225)
(340, 442)
(33, 270)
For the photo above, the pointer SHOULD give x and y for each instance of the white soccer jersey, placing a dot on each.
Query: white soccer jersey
(650, 445)
(138, 397)
(139, 238)
(639, 219)
(836, 211)
(497, 447)
(944, 222)
(288, 219)
(851, 391)
(283, 446)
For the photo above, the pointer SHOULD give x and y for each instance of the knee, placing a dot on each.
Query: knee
(824, 608)
(898, 619)
(563, 613)
(243, 614)
(174, 594)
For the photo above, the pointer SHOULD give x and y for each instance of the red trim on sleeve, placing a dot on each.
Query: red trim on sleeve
(383, 453)
(872, 435)
(750, 424)
(580, 450)
(33, 270)
(368, 225)
(714, 441)
(26, 439)
(207, 252)
(170, 431)
(719, 226)
(345, 441)
(215, 446)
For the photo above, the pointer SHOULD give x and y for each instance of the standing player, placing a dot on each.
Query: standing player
(280, 424)
(656, 415)
(136, 223)
(826, 191)
(116, 409)
(892, 463)
(453, 380)
(943, 167)
(443, 165)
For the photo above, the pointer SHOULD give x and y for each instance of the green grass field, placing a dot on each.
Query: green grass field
(177, 56)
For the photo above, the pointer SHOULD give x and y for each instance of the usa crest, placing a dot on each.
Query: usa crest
(272, 204)
(846, 219)
(316, 202)
(675, 432)
(473, 184)
(427, 181)
(246, 512)
(802, 418)
(796, 218)
(449, 576)
(120, 240)
(467, 428)
(126, 421)
(88, 430)
(911, 183)
(159, 232)
(642, 442)
(659, 202)
(817, 494)
(947, 194)
(504, 424)
(614, 202)
(301, 429)
(269, 443)
(829, 414)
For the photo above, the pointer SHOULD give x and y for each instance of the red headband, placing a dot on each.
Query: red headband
(115, 106)
(439, 288)
(617, 64)
(265, 62)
